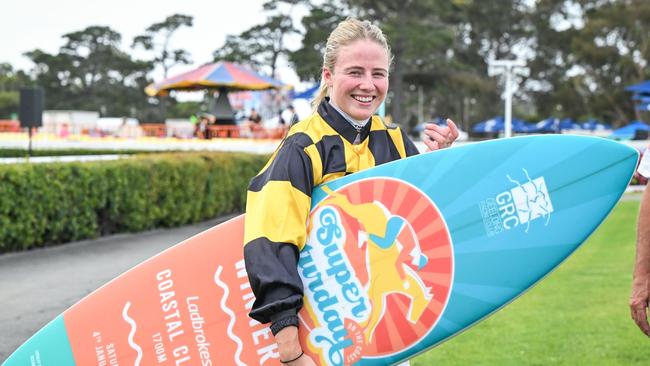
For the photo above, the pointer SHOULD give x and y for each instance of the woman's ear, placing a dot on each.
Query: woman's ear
(327, 76)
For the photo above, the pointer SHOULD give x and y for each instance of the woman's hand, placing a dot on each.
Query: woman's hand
(440, 137)
(289, 348)
(304, 360)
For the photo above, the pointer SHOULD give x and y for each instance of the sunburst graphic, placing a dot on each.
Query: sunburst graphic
(404, 313)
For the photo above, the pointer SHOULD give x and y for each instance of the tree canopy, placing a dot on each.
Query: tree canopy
(581, 54)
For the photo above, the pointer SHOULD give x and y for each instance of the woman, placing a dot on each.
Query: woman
(340, 137)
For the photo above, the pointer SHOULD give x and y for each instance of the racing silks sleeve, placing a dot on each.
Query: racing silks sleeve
(404, 146)
(278, 203)
(409, 146)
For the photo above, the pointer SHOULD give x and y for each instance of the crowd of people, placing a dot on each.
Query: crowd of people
(252, 126)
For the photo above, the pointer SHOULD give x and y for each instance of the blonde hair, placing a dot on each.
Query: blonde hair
(346, 32)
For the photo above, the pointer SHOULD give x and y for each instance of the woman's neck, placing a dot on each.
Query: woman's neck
(357, 124)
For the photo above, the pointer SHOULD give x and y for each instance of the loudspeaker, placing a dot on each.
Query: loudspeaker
(32, 102)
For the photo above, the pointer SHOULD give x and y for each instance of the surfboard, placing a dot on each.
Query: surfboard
(399, 258)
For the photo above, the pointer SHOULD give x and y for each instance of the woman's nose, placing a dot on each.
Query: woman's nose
(366, 83)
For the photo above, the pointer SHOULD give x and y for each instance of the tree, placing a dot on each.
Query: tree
(157, 39)
(263, 45)
(613, 49)
(90, 72)
(548, 84)
(238, 49)
(318, 24)
(421, 39)
(11, 81)
(485, 30)
(586, 52)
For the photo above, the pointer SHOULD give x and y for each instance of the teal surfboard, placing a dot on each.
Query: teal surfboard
(399, 258)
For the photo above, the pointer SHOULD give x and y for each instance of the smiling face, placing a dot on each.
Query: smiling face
(359, 81)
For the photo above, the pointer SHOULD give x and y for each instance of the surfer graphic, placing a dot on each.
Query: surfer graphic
(393, 258)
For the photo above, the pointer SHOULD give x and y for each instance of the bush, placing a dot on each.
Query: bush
(46, 204)
(23, 153)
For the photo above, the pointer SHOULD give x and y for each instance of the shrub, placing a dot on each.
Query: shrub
(46, 204)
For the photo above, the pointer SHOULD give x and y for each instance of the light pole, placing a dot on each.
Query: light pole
(507, 67)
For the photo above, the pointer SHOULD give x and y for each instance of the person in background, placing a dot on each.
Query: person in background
(255, 117)
(294, 116)
(212, 121)
(64, 132)
(340, 137)
(252, 127)
(640, 296)
(201, 128)
(123, 130)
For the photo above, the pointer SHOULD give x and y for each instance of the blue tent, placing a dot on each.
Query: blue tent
(642, 87)
(520, 126)
(498, 124)
(438, 120)
(641, 98)
(569, 124)
(643, 107)
(595, 125)
(492, 125)
(628, 132)
(641, 95)
(309, 94)
(548, 125)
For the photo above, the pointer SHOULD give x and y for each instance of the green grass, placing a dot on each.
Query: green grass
(578, 315)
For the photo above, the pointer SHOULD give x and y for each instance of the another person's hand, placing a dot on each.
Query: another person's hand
(289, 348)
(641, 274)
(440, 137)
(639, 301)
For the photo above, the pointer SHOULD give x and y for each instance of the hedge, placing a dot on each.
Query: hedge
(23, 153)
(47, 204)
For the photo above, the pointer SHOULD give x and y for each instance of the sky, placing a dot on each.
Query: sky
(29, 24)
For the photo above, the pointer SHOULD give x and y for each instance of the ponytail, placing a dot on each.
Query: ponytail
(322, 93)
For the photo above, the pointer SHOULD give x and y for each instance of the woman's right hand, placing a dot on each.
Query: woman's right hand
(289, 348)
(304, 360)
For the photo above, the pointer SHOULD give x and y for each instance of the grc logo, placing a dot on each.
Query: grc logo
(377, 270)
(522, 204)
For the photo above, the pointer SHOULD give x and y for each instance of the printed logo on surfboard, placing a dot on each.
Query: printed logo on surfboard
(377, 271)
(527, 201)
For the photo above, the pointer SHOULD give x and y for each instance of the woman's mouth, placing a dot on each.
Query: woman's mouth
(363, 99)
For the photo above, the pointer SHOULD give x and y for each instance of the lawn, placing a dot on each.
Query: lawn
(578, 315)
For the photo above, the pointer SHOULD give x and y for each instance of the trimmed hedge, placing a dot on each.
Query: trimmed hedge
(23, 153)
(46, 204)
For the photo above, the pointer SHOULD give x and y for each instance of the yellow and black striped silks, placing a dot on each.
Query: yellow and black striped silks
(316, 150)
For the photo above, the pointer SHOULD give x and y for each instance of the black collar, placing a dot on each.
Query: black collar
(340, 124)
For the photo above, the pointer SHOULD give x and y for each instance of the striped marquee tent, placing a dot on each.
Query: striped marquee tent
(219, 76)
